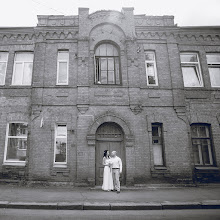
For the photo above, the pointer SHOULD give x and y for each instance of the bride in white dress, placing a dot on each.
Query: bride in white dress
(107, 173)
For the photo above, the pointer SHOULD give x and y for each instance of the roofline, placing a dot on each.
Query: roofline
(199, 27)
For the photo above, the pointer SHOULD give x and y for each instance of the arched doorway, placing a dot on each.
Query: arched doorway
(109, 136)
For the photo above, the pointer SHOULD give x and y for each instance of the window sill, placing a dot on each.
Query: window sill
(20, 164)
(195, 88)
(60, 166)
(64, 85)
(206, 168)
(20, 86)
(160, 168)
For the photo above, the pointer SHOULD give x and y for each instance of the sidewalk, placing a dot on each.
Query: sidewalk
(80, 198)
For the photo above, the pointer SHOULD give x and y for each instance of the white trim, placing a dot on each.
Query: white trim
(155, 67)
(59, 164)
(213, 65)
(12, 162)
(22, 62)
(58, 65)
(4, 74)
(195, 64)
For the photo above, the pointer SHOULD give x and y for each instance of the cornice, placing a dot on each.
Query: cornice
(178, 36)
(39, 35)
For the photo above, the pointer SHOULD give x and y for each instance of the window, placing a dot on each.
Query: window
(107, 65)
(201, 143)
(213, 61)
(3, 66)
(151, 70)
(62, 67)
(23, 66)
(157, 142)
(16, 143)
(60, 152)
(191, 70)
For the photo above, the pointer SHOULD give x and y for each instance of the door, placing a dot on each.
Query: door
(109, 137)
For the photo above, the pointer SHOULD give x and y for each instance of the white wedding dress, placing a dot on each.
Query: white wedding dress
(107, 175)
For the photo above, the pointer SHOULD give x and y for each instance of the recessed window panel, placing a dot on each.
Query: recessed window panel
(107, 65)
(202, 146)
(191, 70)
(213, 61)
(23, 67)
(3, 66)
(151, 70)
(62, 67)
(16, 144)
(60, 148)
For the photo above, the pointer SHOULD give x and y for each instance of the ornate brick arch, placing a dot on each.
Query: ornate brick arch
(110, 117)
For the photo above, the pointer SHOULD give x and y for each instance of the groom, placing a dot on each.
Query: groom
(116, 170)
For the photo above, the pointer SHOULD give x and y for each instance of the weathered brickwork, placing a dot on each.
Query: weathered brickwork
(83, 106)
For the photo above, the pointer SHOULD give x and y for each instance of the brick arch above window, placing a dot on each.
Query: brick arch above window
(107, 32)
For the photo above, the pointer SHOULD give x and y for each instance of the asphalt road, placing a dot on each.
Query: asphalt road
(23, 214)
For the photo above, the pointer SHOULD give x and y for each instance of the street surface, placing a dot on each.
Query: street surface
(24, 214)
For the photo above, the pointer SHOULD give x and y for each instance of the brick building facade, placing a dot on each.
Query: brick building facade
(74, 86)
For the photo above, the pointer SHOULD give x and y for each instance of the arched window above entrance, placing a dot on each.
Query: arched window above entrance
(107, 65)
(109, 131)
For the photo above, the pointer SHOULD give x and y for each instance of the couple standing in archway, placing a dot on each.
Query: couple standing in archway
(112, 171)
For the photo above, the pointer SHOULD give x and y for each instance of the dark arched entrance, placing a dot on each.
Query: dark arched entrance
(109, 136)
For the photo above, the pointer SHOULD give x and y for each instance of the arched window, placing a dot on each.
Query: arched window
(107, 65)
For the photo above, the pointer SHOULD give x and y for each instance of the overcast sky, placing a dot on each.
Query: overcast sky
(186, 12)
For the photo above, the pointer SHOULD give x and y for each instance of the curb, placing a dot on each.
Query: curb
(208, 204)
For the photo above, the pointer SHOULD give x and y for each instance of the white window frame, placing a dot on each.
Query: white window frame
(160, 143)
(23, 62)
(59, 164)
(213, 65)
(193, 64)
(155, 67)
(12, 162)
(6, 62)
(58, 67)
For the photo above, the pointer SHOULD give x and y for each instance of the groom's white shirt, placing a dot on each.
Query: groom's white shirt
(116, 163)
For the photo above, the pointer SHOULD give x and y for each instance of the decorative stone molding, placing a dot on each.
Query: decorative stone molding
(109, 117)
(57, 20)
(181, 114)
(143, 20)
(161, 35)
(35, 35)
(82, 108)
(106, 15)
(136, 109)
